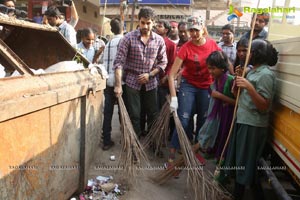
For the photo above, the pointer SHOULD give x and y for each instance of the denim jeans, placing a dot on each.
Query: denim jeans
(149, 101)
(191, 100)
(109, 103)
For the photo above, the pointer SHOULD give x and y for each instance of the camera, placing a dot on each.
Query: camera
(65, 3)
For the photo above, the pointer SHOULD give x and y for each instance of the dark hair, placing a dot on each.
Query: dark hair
(266, 17)
(85, 32)
(244, 42)
(147, 12)
(53, 12)
(229, 27)
(4, 1)
(263, 52)
(218, 59)
(182, 24)
(166, 24)
(116, 26)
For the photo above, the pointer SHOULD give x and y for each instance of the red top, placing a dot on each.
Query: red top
(171, 54)
(194, 62)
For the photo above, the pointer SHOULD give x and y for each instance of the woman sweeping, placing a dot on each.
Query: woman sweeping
(251, 127)
(193, 97)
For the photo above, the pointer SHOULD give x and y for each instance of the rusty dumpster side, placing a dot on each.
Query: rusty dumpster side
(50, 124)
(48, 134)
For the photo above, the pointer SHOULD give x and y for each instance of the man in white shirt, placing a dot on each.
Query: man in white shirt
(53, 17)
(109, 55)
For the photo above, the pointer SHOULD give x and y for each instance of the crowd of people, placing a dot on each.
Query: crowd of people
(202, 77)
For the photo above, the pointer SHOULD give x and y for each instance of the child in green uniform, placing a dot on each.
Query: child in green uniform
(251, 127)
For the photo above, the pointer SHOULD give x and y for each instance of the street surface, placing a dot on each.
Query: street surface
(144, 188)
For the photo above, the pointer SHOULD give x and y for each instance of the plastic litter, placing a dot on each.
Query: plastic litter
(64, 66)
(112, 157)
(2, 71)
(101, 188)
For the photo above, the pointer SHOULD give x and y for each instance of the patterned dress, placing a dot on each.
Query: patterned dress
(213, 133)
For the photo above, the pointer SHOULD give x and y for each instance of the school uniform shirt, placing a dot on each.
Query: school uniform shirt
(136, 58)
(194, 57)
(88, 53)
(263, 80)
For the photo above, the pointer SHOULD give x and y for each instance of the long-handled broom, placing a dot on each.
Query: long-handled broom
(132, 153)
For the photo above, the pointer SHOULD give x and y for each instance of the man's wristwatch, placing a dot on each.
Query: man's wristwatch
(150, 75)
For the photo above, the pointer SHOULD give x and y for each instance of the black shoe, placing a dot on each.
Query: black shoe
(108, 146)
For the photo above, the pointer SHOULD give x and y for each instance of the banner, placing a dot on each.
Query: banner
(150, 2)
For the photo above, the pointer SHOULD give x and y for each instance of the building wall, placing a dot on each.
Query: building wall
(88, 11)
(167, 12)
(89, 15)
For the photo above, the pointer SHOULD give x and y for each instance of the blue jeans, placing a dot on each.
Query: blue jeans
(191, 100)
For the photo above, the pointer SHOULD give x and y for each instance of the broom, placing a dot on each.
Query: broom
(221, 161)
(165, 175)
(158, 133)
(200, 181)
(132, 153)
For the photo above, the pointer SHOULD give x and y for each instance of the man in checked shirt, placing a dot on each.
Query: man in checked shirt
(141, 55)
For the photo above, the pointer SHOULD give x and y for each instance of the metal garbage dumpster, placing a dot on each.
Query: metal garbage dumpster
(50, 123)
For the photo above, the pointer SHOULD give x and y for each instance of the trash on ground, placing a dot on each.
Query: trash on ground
(112, 158)
(101, 188)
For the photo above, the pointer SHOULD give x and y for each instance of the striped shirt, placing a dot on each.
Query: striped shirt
(230, 51)
(68, 32)
(136, 58)
(109, 55)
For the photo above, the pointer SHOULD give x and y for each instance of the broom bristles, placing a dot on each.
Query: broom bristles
(132, 153)
(158, 133)
(163, 176)
(201, 182)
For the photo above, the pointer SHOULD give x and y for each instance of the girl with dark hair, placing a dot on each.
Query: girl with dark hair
(251, 127)
(86, 46)
(241, 52)
(213, 133)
